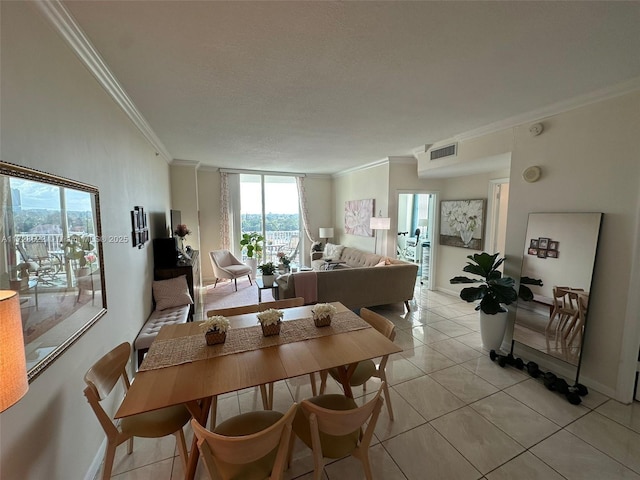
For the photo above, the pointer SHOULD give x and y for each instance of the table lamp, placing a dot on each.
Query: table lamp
(326, 233)
(13, 364)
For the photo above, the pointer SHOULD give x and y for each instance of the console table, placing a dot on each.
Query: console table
(191, 269)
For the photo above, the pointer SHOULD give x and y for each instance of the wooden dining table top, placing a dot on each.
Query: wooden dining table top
(188, 382)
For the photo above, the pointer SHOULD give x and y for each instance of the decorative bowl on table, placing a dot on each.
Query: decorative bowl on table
(322, 314)
(270, 320)
(215, 329)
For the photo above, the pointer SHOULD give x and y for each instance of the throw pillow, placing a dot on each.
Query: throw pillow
(333, 251)
(382, 263)
(171, 293)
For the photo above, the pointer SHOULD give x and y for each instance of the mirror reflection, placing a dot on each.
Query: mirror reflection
(50, 255)
(560, 250)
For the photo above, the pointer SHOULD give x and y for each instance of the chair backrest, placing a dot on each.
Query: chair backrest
(36, 250)
(221, 258)
(219, 450)
(285, 303)
(380, 323)
(345, 422)
(228, 312)
(102, 377)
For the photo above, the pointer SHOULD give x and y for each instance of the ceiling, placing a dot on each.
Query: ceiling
(321, 87)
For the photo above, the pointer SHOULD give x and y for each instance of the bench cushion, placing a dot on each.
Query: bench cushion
(157, 320)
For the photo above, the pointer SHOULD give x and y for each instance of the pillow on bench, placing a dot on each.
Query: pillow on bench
(170, 293)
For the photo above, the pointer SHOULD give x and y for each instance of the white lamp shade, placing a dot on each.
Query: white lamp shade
(423, 222)
(326, 232)
(13, 364)
(380, 223)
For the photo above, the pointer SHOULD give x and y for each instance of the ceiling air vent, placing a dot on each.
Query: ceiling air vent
(448, 151)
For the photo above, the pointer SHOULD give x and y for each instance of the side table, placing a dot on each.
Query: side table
(260, 285)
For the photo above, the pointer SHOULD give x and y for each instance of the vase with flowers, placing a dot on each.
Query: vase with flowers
(270, 321)
(181, 231)
(284, 262)
(215, 329)
(322, 314)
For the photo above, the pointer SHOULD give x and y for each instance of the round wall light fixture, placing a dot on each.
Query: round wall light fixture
(532, 174)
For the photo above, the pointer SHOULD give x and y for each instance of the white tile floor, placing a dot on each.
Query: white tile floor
(458, 416)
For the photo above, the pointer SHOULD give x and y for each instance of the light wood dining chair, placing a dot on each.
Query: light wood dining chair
(331, 425)
(578, 326)
(562, 308)
(284, 303)
(230, 311)
(101, 378)
(368, 369)
(249, 446)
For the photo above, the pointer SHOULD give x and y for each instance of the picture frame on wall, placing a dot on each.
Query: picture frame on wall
(533, 251)
(552, 254)
(542, 253)
(553, 245)
(533, 243)
(357, 217)
(462, 223)
(543, 242)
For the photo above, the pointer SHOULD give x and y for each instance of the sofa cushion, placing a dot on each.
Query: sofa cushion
(157, 320)
(333, 251)
(170, 293)
(359, 258)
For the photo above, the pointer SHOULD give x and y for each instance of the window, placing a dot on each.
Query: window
(269, 205)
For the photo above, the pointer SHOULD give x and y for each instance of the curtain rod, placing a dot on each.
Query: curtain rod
(261, 172)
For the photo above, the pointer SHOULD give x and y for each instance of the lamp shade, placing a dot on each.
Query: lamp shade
(423, 222)
(13, 364)
(326, 232)
(380, 223)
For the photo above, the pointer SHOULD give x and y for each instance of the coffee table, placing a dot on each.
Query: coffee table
(260, 285)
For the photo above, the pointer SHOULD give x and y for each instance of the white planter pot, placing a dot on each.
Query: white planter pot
(492, 329)
(253, 263)
(268, 280)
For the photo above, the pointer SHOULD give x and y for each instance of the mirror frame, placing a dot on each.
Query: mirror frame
(18, 171)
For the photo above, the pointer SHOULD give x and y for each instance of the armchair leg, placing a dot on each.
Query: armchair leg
(235, 280)
(406, 304)
(214, 285)
(250, 282)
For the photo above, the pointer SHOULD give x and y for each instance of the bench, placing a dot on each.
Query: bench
(157, 320)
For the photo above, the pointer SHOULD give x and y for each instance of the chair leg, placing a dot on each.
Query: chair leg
(250, 282)
(363, 456)
(267, 397)
(406, 304)
(235, 280)
(213, 412)
(182, 447)
(109, 456)
(387, 397)
(216, 283)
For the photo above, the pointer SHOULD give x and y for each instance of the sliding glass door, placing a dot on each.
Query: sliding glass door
(269, 206)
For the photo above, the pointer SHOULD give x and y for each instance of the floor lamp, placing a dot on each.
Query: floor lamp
(379, 223)
(13, 363)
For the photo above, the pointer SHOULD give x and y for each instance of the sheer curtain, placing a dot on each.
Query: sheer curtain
(302, 199)
(229, 210)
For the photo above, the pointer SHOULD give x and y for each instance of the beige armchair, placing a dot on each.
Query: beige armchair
(225, 265)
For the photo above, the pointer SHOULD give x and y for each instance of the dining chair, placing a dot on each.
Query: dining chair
(225, 265)
(284, 303)
(101, 378)
(578, 326)
(368, 369)
(230, 311)
(252, 445)
(331, 425)
(562, 307)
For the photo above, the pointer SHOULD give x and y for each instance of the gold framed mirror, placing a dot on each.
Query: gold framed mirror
(51, 254)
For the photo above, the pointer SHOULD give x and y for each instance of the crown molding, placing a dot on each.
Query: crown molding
(184, 163)
(377, 163)
(68, 28)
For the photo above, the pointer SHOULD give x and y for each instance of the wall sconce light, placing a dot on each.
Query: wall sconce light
(532, 174)
(13, 363)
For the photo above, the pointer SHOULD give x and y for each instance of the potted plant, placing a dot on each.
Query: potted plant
(268, 271)
(215, 329)
(78, 250)
(252, 242)
(494, 293)
(284, 261)
(322, 314)
(270, 320)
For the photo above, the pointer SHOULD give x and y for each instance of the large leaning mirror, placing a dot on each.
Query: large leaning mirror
(560, 250)
(51, 254)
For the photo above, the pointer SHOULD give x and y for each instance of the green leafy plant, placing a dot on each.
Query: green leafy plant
(253, 243)
(495, 289)
(76, 249)
(267, 268)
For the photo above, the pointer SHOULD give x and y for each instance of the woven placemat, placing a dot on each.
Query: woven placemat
(192, 348)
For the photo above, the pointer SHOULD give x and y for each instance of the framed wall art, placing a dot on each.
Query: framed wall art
(462, 223)
(357, 217)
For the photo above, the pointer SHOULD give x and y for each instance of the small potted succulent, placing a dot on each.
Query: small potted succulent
(215, 329)
(268, 271)
(322, 314)
(270, 320)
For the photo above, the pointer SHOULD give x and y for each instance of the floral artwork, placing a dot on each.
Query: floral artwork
(357, 217)
(462, 223)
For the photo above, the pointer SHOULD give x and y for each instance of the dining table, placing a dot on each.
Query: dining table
(181, 369)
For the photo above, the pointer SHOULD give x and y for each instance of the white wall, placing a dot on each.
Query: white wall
(589, 158)
(57, 119)
(184, 197)
(361, 185)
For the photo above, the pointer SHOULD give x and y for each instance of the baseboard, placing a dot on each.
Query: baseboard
(94, 468)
